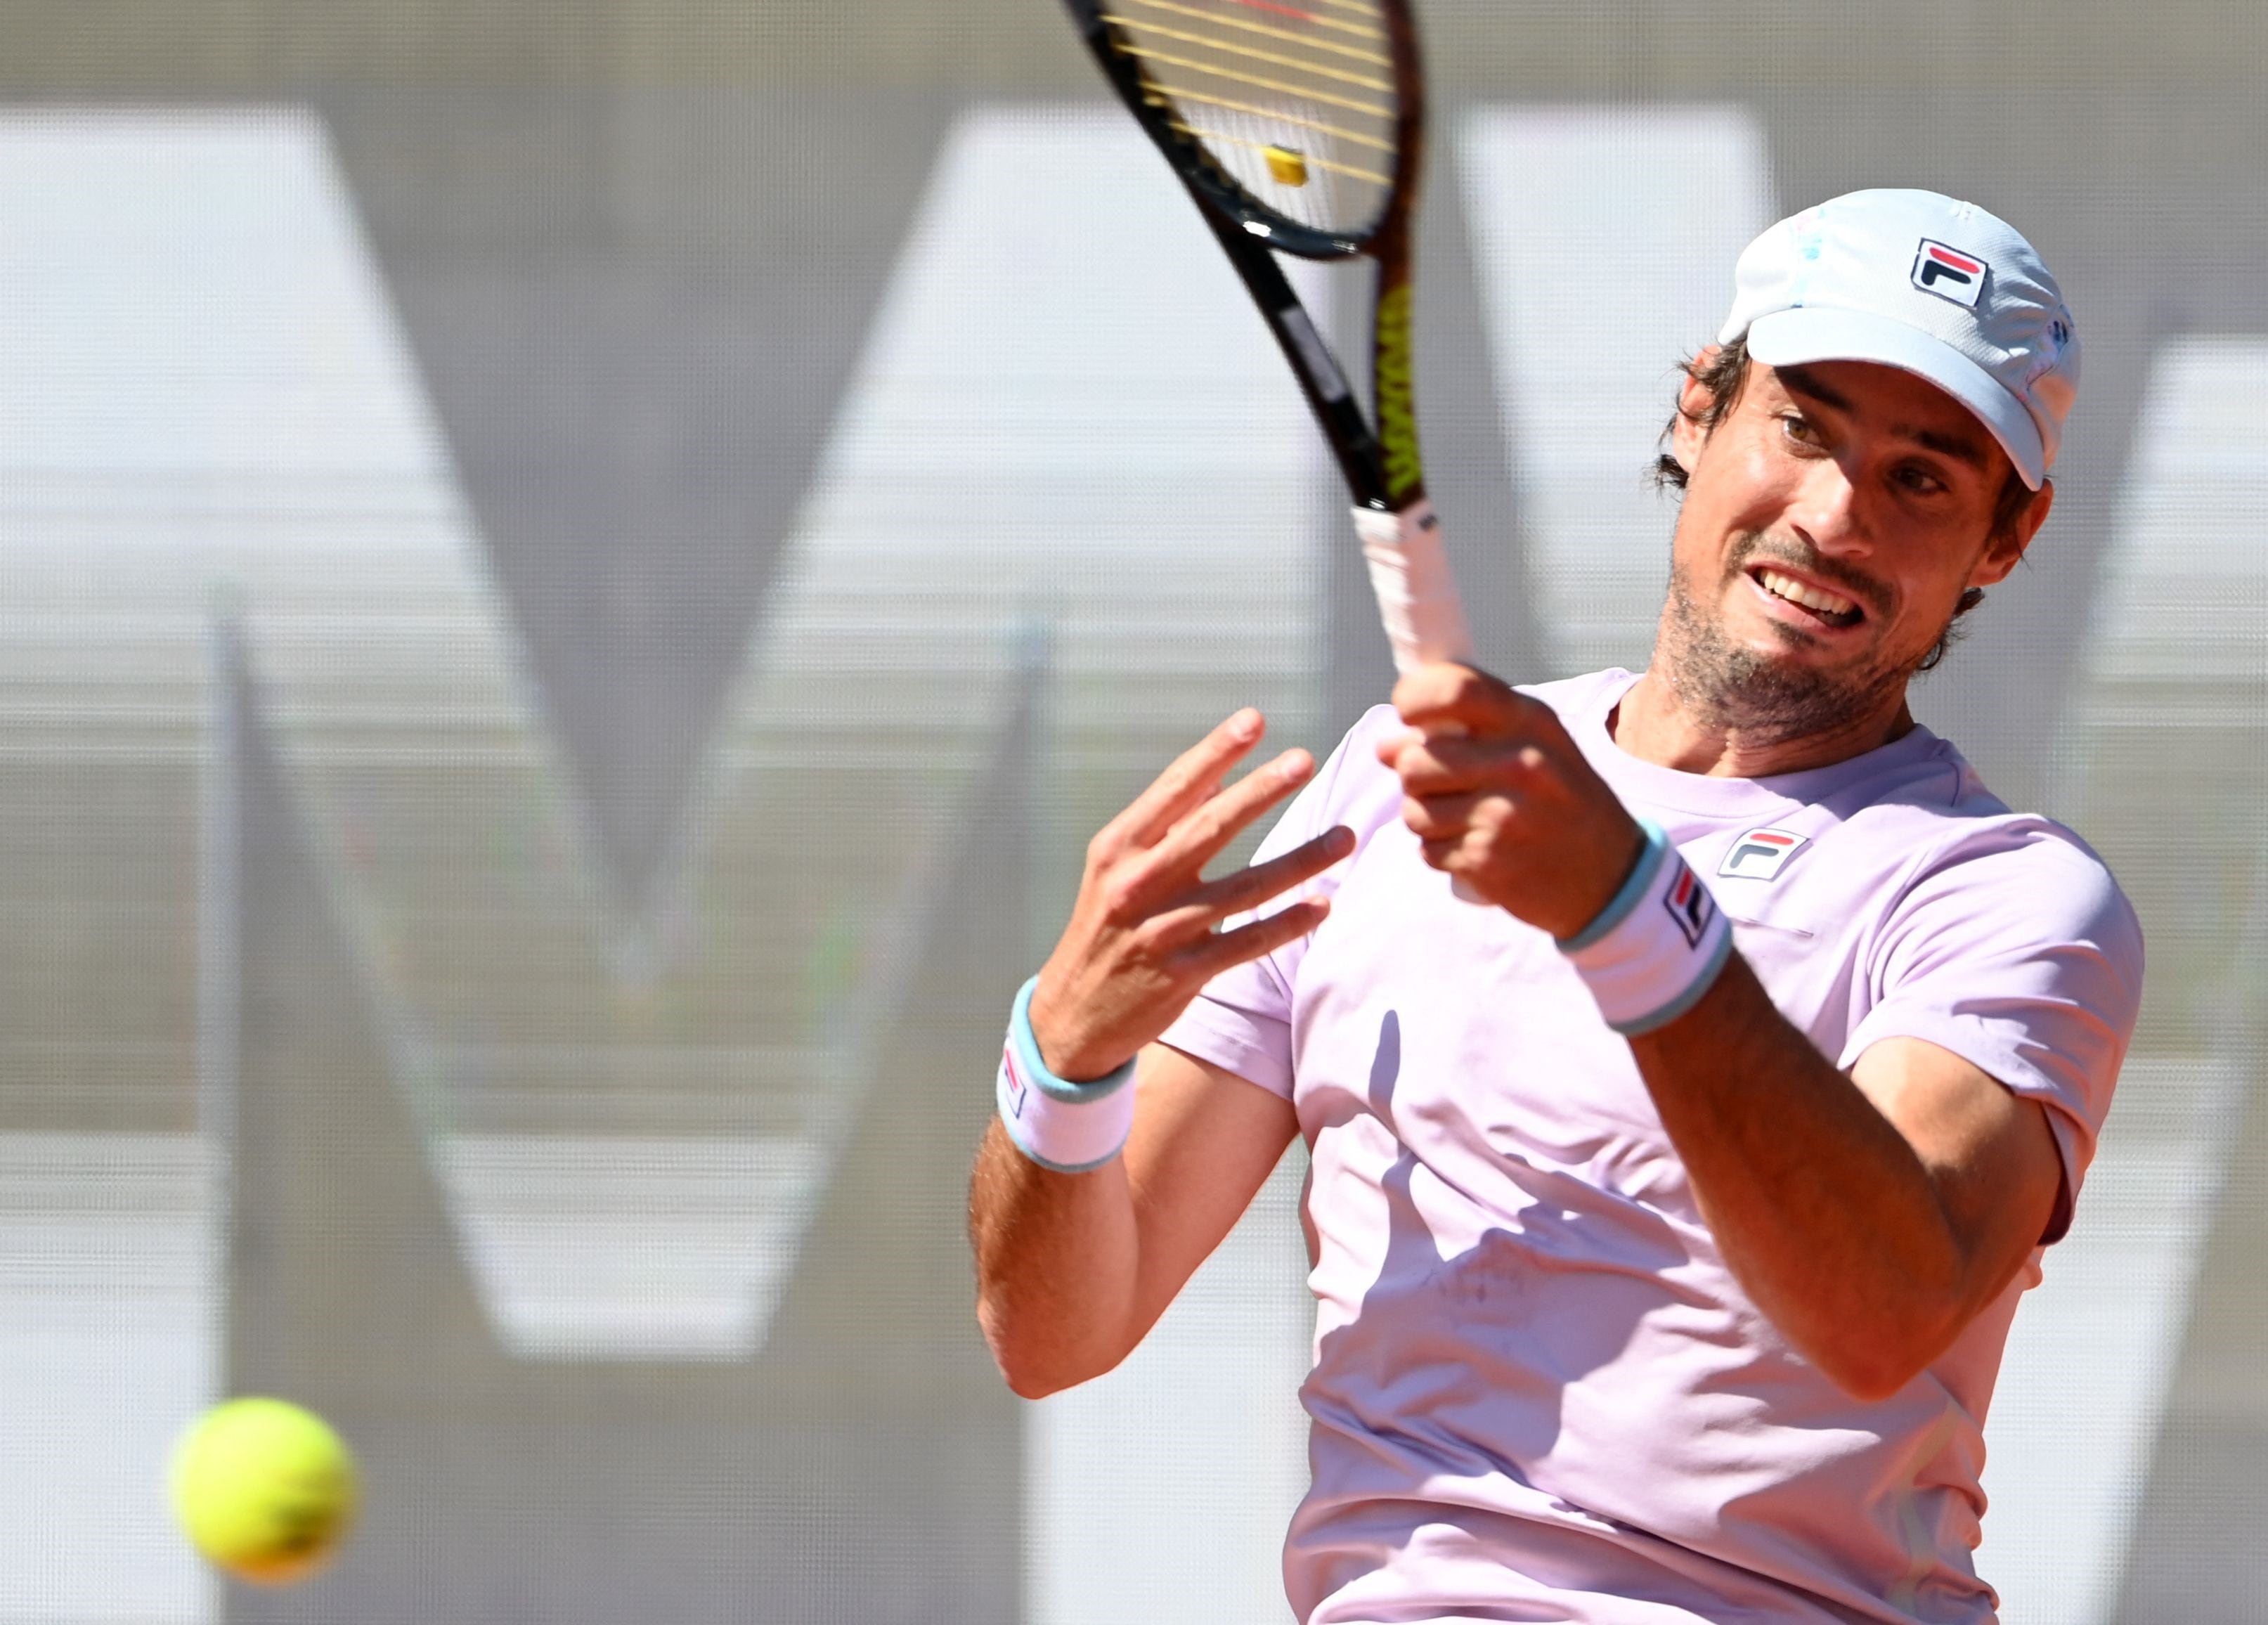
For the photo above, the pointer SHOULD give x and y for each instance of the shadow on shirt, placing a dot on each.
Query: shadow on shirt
(1460, 1367)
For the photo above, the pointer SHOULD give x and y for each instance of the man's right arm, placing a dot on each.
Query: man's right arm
(1072, 1269)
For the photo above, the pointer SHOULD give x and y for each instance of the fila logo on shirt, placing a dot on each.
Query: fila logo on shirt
(1949, 274)
(1761, 854)
(1689, 904)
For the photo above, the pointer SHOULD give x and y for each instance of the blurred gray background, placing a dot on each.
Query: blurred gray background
(564, 626)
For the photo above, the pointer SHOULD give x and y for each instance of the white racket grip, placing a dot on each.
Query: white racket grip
(1416, 599)
(1417, 596)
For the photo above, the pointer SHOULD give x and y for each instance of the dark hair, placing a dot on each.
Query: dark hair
(1723, 372)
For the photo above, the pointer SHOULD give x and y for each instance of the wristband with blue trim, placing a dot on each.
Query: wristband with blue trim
(1657, 944)
(1070, 1128)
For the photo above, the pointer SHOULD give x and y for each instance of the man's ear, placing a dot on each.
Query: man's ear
(1686, 434)
(2007, 550)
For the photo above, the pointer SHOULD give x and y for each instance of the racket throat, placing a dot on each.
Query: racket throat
(1311, 356)
(1394, 391)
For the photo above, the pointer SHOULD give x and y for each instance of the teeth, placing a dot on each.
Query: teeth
(1811, 598)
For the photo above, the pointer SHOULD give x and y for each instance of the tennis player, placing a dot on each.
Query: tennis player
(1694, 1065)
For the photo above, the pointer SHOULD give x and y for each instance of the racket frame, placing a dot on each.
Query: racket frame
(1380, 463)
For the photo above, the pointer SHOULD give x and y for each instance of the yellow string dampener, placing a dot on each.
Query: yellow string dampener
(1288, 165)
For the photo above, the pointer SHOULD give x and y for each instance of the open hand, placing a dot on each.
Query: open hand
(1141, 942)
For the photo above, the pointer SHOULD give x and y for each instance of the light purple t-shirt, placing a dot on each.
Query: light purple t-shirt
(1538, 1392)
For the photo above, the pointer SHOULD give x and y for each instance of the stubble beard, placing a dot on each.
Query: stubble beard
(1726, 686)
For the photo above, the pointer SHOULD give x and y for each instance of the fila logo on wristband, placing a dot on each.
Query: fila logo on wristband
(1657, 945)
(1070, 1128)
(1689, 904)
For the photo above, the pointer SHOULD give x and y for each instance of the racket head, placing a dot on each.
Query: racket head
(1300, 120)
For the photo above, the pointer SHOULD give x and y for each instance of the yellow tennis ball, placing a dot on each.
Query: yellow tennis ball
(265, 1489)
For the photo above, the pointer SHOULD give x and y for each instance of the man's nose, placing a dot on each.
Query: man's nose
(1826, 508)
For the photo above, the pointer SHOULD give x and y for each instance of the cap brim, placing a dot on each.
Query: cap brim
(1790, 338)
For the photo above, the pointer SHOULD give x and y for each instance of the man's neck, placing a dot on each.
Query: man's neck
(1653, 724)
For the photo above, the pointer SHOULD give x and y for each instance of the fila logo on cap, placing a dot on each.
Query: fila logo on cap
(1949, 274)
(1761, 854)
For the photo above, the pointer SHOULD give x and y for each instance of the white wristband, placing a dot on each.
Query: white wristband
(1070, 1127)
(1656, 946)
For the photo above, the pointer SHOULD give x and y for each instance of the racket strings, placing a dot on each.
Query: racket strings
(1294, 99)
(1276, 60)
(1265, 150)
(1269, 31)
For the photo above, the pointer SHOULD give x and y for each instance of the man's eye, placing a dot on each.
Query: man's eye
(1920, 482)
(1799, 429)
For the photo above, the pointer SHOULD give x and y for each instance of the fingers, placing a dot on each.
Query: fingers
(1248, 888)
(1448, 816)
(1442, 853)
(1193, 774)
(1213, 955)
(1446, 696)
(1445, 755)
(1198, 838)
(1439, 767)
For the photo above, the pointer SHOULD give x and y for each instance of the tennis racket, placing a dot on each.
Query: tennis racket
(1299, 128)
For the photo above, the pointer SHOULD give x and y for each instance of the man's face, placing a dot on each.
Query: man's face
(1831, 521)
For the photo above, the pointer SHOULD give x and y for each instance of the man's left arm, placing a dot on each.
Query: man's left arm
(1871, 1214)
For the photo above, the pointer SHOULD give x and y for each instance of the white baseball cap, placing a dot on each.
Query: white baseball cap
(1926, 283)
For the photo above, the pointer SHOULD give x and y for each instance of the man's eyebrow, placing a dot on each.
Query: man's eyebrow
(1804, 381)
(1962, 447)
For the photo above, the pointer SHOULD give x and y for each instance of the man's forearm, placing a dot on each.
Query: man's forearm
(1056, 1257)
(1072, 1269)
(1822, 1208)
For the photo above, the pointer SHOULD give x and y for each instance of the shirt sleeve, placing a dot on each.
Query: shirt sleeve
(1242, 1020)
(2025, 959)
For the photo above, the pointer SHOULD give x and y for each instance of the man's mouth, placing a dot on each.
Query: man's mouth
(1829, 607)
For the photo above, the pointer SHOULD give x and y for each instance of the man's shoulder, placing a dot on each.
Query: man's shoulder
(1936, 807)
(1952, 845)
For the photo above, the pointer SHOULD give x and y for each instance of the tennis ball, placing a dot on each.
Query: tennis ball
(265, 1489)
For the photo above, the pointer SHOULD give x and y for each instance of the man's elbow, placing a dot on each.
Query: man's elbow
(1029, 1384)
(1034, 1367)
(1870, 1379)
(1872, 1364)
(1029, 1379)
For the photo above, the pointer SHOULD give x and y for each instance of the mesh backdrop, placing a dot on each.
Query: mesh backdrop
(573, 577)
